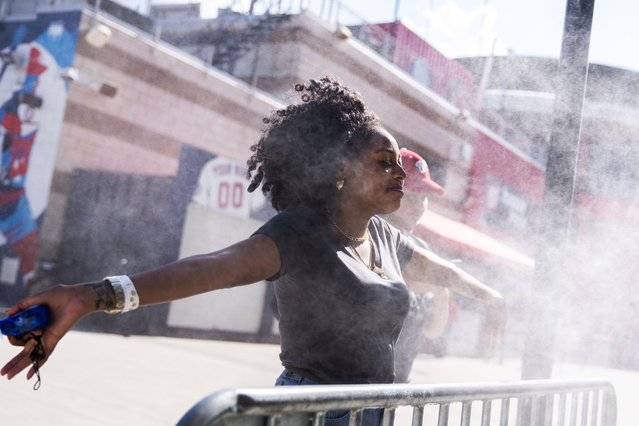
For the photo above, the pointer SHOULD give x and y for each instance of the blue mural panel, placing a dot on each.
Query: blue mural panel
(32, 101)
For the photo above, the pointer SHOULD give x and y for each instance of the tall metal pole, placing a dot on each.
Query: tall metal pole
(547, 298)
(396, 12)
(394, 32)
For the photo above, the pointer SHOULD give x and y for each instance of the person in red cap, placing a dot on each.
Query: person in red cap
(428, 314)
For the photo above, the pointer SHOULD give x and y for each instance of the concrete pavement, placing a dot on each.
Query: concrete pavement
(103, 379)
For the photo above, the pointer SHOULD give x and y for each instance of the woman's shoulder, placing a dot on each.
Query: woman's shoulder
(383, 227)
(384, 231)
(297, 217)
(296, 212)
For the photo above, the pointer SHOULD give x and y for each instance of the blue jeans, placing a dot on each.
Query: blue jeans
(370, 416)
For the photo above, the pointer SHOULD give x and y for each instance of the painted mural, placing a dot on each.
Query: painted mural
(34, 53)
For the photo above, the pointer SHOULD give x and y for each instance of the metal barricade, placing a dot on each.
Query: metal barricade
(529, 402)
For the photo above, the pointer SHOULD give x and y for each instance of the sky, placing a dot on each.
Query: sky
(459, 28)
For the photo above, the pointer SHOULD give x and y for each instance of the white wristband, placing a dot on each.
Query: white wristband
(131, 298)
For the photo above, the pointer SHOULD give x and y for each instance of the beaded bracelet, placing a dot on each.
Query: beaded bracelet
(126, 296)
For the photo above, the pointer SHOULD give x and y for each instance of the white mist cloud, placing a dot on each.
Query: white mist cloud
(458, 31)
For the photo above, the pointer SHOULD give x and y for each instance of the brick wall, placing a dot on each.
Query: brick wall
(304, 48)
(164, 99)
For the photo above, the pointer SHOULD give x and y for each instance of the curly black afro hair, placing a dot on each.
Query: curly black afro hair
(298, 156)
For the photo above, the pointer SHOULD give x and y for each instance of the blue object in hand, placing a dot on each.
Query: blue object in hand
(30, 319)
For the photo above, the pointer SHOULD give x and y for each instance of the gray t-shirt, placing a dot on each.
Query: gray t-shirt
(338, 319)
(410, 339)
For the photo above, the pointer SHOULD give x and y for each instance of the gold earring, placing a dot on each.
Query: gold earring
(340, 184)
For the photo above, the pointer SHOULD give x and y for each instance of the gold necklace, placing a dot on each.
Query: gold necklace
(371, 265)
(344, 234)
(349, 239)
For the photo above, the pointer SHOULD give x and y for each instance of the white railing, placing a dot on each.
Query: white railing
(530, 402)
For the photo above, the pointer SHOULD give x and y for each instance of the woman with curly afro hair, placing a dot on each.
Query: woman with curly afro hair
(295, 159)
(330, 169)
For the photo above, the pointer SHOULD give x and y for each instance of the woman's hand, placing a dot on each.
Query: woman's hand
(67, 305)
(494, 322)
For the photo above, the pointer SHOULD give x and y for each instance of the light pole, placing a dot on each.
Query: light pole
(548, 286)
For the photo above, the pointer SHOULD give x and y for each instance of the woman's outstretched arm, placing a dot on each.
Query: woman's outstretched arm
(425, 268)
(246, 262)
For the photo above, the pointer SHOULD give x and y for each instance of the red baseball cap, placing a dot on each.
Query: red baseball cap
(417, 174)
